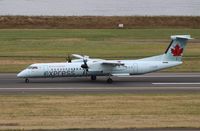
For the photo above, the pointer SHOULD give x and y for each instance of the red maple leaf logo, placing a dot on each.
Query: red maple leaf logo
(177, 50)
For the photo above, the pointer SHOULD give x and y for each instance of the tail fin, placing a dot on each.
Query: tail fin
(175, 50)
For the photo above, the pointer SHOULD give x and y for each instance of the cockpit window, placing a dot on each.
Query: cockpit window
(32, 67)
(35, 67)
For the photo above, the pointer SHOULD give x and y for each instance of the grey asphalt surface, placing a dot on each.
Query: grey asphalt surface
(150, 83)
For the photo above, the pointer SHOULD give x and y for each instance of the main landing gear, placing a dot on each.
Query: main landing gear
(26, 80)
(109, 80)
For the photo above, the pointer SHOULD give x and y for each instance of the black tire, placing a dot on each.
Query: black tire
(26, 80)
(93, 77)
(109, 81)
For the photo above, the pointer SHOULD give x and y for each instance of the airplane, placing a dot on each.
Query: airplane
(84, 66)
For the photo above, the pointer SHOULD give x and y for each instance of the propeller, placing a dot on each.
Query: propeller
(69, 59)
(85, 60)
(85, 66)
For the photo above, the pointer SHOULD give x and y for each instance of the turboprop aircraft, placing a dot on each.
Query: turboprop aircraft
(85, 66)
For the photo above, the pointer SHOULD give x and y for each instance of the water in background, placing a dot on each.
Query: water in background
(100, 7)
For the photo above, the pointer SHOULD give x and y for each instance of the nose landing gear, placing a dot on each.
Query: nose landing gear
(26, 80)
(109, 80)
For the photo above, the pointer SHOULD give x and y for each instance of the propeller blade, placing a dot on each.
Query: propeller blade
(84, 72)
(85, 65)
(77, 56)
(85, 61)
(68, 58)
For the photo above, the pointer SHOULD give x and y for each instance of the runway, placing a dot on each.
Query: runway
(150, 83)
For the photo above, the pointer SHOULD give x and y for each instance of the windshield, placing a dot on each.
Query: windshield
(32, 67)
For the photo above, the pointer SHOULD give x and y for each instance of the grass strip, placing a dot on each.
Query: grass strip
(53, 111)
(53, 45)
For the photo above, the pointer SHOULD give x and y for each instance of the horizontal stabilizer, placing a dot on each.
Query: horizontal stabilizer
(188, 37)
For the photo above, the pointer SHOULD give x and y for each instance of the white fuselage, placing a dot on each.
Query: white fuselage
(65, 69)
(85, 66)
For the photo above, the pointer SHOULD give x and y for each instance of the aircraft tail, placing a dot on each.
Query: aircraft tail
(175, 50)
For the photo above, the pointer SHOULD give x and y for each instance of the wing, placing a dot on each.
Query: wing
(112, 64)
(100, 61)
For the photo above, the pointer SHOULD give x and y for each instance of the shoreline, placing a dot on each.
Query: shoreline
(98, 22)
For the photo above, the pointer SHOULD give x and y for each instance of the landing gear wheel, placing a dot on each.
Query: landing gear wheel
(93, 77)
(26, 80)
(109, 81)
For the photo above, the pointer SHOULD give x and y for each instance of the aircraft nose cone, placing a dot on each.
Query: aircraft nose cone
(22, 74)
(19, 75)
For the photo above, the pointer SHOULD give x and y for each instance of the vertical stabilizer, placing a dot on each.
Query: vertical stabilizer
(175, 50)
